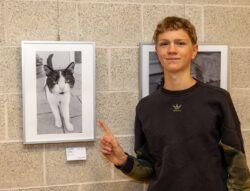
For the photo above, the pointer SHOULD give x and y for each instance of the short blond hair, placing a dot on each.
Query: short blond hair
(175, 23)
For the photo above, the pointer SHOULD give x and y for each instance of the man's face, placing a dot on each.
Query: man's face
(175, 51)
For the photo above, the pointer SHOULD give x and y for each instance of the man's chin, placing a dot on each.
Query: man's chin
(175, 69)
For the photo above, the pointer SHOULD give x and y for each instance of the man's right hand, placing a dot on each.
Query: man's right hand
(110, 147)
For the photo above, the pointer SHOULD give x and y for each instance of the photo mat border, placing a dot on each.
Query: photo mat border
(29, 49)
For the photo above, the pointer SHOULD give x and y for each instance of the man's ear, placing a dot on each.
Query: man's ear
(195, 51)
(156, 49)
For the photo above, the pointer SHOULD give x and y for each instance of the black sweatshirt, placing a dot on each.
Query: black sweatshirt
(189, 140)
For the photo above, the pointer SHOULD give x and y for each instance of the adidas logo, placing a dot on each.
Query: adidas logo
(177, 108)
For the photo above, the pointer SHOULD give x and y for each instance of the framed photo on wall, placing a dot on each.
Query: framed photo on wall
(209, 66)
(58, 79)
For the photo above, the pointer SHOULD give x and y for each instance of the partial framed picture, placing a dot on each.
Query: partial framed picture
(209, 66)
(58, 81)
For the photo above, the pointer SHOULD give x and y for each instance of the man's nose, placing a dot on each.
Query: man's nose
(172, 49)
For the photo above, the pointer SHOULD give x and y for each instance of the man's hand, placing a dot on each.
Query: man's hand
(110, 148)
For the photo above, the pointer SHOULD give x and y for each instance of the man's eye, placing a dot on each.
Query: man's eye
(181, 43)
(164, 44)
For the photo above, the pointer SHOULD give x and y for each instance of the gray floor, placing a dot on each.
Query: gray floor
(45, 118)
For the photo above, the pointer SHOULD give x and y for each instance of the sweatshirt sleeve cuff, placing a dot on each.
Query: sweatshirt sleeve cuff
(127, 166)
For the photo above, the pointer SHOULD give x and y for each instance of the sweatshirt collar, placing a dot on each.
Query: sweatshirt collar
(180, 92)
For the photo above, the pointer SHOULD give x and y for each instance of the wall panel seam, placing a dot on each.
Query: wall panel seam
(229, 69)
(202, 25)
(77, 22)
(137, 3)
(8, 46)
(11, 141)
(247, 89)
(38, 187)
(128, 3)
(10, 93)
(109, 68)
(107, 181)
(228, 6)
(238, 47)
(113, 3)
(6, 123)
(5, 22)
(245, 130)
(44, 165)
(142, 22)
(112, 171)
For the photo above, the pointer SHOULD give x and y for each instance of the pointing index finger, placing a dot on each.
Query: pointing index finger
(106, 129)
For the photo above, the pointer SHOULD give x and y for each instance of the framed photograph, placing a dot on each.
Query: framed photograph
(58, 81)
(209, 66)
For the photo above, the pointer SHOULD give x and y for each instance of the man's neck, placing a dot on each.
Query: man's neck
(178, 81)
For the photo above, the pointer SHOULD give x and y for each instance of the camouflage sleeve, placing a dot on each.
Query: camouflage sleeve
(238, 172)
(233, 146)
(139, 168)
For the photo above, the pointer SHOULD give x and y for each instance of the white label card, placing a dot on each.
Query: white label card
(76, 153)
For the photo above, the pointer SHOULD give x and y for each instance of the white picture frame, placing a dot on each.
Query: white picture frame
(211, 63)
(38, 119)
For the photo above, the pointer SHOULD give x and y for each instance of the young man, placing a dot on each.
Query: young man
(187, 133)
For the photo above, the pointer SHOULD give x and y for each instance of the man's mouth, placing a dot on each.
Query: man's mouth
(61, 93)
(172, 58)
